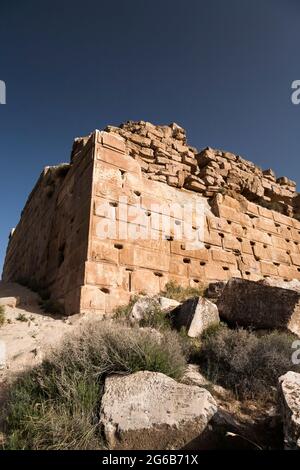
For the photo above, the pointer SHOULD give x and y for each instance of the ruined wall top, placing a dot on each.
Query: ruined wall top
(164, 155)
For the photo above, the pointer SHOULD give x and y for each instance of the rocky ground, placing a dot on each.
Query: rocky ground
(198, 414)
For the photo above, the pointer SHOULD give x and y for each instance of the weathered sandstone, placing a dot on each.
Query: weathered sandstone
(149, 410)
(253, 304)
(87, 247)
(289, 399)
(195, 315)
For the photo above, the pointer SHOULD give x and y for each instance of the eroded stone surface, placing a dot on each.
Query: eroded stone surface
(149, 410)
(195, 315)
(289, 399)
(253, 304)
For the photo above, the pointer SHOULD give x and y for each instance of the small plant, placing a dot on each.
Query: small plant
(2, 315)
(179, 293)
(22, 317)
(154, 317)
(123, 311)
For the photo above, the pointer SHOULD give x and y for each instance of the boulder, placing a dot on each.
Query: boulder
(148, 410)
(195, 315)
(12, 302)
(193, 376)
(289, 401)
(260, 306)
(146, 305)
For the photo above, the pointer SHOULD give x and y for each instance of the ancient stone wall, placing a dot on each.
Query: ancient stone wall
(49, 245)
(63, 240)
(165, 156)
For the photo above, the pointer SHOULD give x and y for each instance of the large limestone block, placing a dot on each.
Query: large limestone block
(289, 400)
(148, 410)
(257, 305)
(9, 302)
(195, 315)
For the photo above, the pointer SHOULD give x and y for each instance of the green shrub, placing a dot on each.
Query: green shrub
(2, 315)
(154, 317)
(179, 293)
(22, 317)
(123, 311)
(244, 362)
(56, 405)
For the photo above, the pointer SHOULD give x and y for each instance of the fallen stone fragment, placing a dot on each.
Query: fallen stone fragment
(289, 401)
(147, 305)
(12, 302)
(148, 410)
(195, 315)
(259, 306)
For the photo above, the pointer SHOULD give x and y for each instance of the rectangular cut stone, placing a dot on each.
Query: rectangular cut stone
(263, 252)
(112, 140)
(103, 274)
(221, 256)
(282, 219)
(103, 250)
(215, 272)
(143, 280)
(211, 237)
(177, 266)
(215, 223)
(280, 243)
(252, 208)
(231, 243)
(229, 214)
(231, 202)
(295, 259)
(288, 272)
(280, 256)
(132, 255)
(268, 269)
(120, 160)
(265, 225)
(267, 213)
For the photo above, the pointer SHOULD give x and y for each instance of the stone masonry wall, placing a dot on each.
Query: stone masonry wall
(59, 241)
(48, 247)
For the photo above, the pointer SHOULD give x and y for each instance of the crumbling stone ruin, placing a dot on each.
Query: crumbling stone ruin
(248, 229)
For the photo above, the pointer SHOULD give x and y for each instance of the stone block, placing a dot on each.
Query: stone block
(255, 305)
(195, 315)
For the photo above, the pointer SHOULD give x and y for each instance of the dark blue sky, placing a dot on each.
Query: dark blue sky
(221, 68)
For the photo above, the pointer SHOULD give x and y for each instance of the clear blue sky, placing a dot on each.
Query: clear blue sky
(221, 68)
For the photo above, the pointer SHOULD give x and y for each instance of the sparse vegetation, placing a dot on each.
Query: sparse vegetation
(153, 316)
(123, 311)
(247, 363)
(56, 405)
(179, 293)
(22, 317)
(2, 315)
